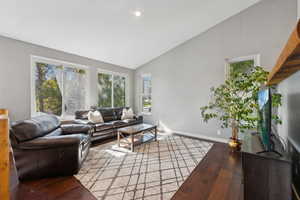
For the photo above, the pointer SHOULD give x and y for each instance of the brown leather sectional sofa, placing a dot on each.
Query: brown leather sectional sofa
(112, 121)
(42, 147)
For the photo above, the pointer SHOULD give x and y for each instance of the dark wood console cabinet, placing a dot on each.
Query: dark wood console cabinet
(266, 176)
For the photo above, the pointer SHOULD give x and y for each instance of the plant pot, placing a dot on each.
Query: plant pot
(235, 144)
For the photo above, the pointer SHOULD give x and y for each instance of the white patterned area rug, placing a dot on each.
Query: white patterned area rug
(154, 171)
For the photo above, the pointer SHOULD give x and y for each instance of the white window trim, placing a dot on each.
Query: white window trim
(255, 57)
(34, 59)
(126, 76)
(141, 94)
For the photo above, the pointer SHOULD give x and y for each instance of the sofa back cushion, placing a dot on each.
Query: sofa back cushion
(108, 114)
(35, 127)
(118, 113)
(82, 114)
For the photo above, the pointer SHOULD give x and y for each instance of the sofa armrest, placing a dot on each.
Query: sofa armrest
(75, 128)
(139, 118)
(53, 142)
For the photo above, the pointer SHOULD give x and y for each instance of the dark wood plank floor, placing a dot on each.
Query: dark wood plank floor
(51, 189)
(63, 188)
(217, 177)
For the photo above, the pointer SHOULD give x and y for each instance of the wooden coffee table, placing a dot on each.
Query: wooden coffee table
(127, 135)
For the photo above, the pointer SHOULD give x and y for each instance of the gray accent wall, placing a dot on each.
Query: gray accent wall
(182, 77)
(290, 110)
(15, 74)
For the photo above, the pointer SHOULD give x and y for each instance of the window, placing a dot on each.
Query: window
(59, 88)
(112, 89)
(241, 64)
(146, 99)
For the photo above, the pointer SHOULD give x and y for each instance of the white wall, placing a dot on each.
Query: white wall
(182, 77)
(298, 9)
(15, 74)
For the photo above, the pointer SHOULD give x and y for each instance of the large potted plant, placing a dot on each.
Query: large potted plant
(235, 104)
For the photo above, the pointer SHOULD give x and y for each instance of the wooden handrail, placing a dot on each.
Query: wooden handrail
(288, 62)
(4, 155)
(3, 112)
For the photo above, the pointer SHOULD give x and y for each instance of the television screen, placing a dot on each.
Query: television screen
(264, 123)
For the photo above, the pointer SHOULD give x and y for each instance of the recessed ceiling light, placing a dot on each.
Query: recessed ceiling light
(137, 13)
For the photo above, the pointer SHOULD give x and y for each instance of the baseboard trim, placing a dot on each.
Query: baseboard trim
(294, 144)
(200, 136)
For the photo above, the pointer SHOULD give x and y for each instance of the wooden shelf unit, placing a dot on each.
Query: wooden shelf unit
(289, 60)
(4, 155)
(266, 176)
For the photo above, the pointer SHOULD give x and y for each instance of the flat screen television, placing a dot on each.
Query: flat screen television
(265, 117)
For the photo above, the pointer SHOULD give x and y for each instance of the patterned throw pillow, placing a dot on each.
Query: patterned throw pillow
(95, 117)
(127, 114)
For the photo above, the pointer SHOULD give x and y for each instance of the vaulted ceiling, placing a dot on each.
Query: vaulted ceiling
(108, 30)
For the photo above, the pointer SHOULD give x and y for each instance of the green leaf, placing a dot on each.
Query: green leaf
(236, 100)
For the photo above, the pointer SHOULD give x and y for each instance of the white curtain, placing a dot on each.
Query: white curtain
(75, 87)
(59, 78)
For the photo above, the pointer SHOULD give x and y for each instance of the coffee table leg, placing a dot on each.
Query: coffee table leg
(155, 136)
(118, 139)
(132, 143)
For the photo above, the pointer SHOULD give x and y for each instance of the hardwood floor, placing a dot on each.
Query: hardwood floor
(217, 177)
(63, 188)
(52, 189)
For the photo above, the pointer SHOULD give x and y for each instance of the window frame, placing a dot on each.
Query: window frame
(254, 57)
(142, 94)
(125, 75)
(33, 60)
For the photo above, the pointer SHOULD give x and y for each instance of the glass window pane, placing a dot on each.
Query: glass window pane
(75, 89)
(146, 103)
(119, 91)
(48, 79)
(146, 94)
(104, 90)
(241, 67)
(146, 85)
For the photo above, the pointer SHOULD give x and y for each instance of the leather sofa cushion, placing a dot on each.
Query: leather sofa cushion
(82, 114)
(130, 121)
(98, 126)
(123, 123)
(55, 142)
(75, 128)
(118, 123)
(104, 126)
(108, 114)
(56, 132)
(108, 125)
(118, 113)
(82, 121)
(35, 127)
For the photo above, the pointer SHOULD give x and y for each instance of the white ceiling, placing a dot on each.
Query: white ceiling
(107, 30)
